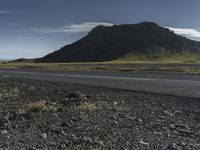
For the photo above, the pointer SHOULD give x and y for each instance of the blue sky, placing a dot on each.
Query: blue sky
(33, 28)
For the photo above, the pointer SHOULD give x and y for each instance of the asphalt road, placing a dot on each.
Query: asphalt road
(163, 83)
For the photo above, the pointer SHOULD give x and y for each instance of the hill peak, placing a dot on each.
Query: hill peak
(146, 23)
(142, 24)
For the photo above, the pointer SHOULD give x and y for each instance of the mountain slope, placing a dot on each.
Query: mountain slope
(110, 43)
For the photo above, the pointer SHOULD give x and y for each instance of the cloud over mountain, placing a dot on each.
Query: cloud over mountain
(72, 28)
(190, 33)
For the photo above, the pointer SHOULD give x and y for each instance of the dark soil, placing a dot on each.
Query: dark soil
(37, 115)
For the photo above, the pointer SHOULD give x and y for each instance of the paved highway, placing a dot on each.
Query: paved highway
(163, 83)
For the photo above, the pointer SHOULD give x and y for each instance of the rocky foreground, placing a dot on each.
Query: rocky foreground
(36, 115)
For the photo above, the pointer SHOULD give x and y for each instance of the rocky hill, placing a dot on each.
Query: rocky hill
(110, 43)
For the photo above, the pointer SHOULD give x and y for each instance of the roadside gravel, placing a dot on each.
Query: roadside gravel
(37, 115)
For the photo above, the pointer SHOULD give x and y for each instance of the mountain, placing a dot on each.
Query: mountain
(110, 43)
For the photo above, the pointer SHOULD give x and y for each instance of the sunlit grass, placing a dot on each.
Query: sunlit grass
(38, 106)
(163, 61)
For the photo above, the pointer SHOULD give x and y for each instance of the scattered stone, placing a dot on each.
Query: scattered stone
(63, 133)
(5, 123)
(130, 117)
(4, 132)
(44, 135)
(173, 146)
(88, 139)
(194, 145)
(143, 143)
(115, 103)
(172, 126)
(65, 124)
(63, 146)
(73, 95)
(139, 120)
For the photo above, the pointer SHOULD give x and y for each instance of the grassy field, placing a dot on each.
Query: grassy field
(163, 62)
(136, 67)
(161, 57)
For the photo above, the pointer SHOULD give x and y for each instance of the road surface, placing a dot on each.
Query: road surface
(163, 83)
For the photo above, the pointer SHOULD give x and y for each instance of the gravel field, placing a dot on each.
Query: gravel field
(37, 115)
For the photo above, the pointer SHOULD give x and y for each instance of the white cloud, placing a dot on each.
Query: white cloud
(190, 33)
(26, 38)
(73, 28)
(9, 24)
(4, 12)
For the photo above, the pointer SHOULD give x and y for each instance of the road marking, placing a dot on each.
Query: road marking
(98, 77)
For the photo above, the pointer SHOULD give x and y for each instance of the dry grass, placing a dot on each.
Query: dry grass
(36, 107)
(110, 66)
(178, 62)
(86, 106)
(39, 106)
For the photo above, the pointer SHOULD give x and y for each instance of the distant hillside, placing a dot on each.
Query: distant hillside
(21, 60)
(111, 43)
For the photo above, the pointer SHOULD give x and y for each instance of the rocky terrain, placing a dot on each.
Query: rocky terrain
(37, 115)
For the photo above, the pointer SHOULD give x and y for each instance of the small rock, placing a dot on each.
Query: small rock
(4, 132)
(65, 124)
(158, 133)
(115, 103)
(72, 98)
(44, 135)
(130, 117)
(5, 123)
(63, 146)
(139, 120)
(88, 139)
(73, 95)
(99, 143)
(168, 113)
(143, 143)
(173, 146)
(63, 133)
(183, 144)
(172, 126)
(116, 122)
(194, 145)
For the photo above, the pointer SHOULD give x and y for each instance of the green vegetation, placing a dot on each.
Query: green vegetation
(161, 57)
(162, 61)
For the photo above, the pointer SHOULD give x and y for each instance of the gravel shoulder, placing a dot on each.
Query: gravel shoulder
(41, 115)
